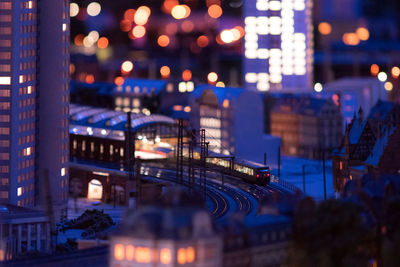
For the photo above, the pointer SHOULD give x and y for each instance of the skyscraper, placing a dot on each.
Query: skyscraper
(34, 62)
(278, 45)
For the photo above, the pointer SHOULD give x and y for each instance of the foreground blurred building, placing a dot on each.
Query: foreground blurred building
(34, 96)
(278, 46)
(175, 232)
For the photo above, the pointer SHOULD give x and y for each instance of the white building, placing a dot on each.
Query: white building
(234, 122)
(34, 63)
(278, 45)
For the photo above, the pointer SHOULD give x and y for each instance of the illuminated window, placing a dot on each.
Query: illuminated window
(119, 253)
(341, 165)
(63, 171)
(19, 191)
(181, 256)
(130, 250)
(28, 151)
(21, 78)
(64, 27)
(190, 254)
(165, 256)
(143, 255)
(5, 80)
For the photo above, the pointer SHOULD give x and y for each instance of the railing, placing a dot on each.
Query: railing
(285, 184)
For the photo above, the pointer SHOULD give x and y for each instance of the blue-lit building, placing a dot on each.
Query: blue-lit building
(278, 46)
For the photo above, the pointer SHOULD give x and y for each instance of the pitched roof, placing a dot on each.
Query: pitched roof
(376, 153)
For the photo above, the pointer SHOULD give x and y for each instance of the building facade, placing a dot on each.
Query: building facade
(34, 98)
(278, 45)
(307, 126)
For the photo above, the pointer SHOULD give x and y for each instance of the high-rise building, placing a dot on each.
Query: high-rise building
(278, 45)
(34, 62)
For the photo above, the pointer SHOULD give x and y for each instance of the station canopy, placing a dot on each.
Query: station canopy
(106, 123)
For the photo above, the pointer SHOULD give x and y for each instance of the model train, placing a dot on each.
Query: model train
(249, 171)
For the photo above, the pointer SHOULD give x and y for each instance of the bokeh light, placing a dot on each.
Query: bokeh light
(374, 69)
(125, 25)
(180, 12)
(318, 87)
(382, 76)
(220, 84)
(325, 28)
(93, 9)
(351, 39)
(362, 33)
(187, 26)
(78, 40)
(396, 72)
(202, 41)
(186, 75)
(130, 14)
(215, 11)
(102, 42)
(388, 86)
(212, 77)
(163, 40)
(165, 71)
(127, 66)
(89, 78)
(142, 15)
(94, 35)
(73, 10)
(227, 36)
(138, 31)
(119, 80)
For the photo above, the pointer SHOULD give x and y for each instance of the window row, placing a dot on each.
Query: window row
(27, 53)
(26, 114)
(27, 41)
(26, 139)
(26, 90)
(27, 65)
(28, 17)
(26, 176)
(26, 127)
(27, 102)
(26, 164)
(5, 5)
(4, 143)
(28, 29)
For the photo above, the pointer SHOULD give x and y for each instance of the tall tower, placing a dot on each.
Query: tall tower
(53, 100)
(34, 62)
(18, 89)
(278, 45)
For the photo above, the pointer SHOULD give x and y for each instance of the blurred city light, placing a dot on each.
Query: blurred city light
(395, 72)
(119, 80)
(127, 66)
(73, 10)
(180, 11)
(362, 33)
(202, 41)
(215, 11)
(325, 28)
(382, 76)
(351, 39)
(130, 14)
(388, 86)
(94, 35)
(93, 9)
(142, 15)
(102, 42)
(227, 36)
(318, 87)
(163, 40)
(374, 69)
(138, 31)
(212, 77)
(186, 75)
(165, 71)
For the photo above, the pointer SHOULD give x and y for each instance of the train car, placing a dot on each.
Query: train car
(249, 171)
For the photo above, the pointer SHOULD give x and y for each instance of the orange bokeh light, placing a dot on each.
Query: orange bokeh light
(325, 28)
(125, 25)
(362, 33)
(241, 30)
(165, 71)
(138, 31)
(396, 72)
(102, 42)
(78, 40)
(187, 26)
(374, 69)
(202, 41)
(215, 11)
(89, 78)
(186, 75)
(168, 5)
(129, 14)
(351, 39)
(163, 40)
(213, 2)
(171, 28)
(119, 80)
